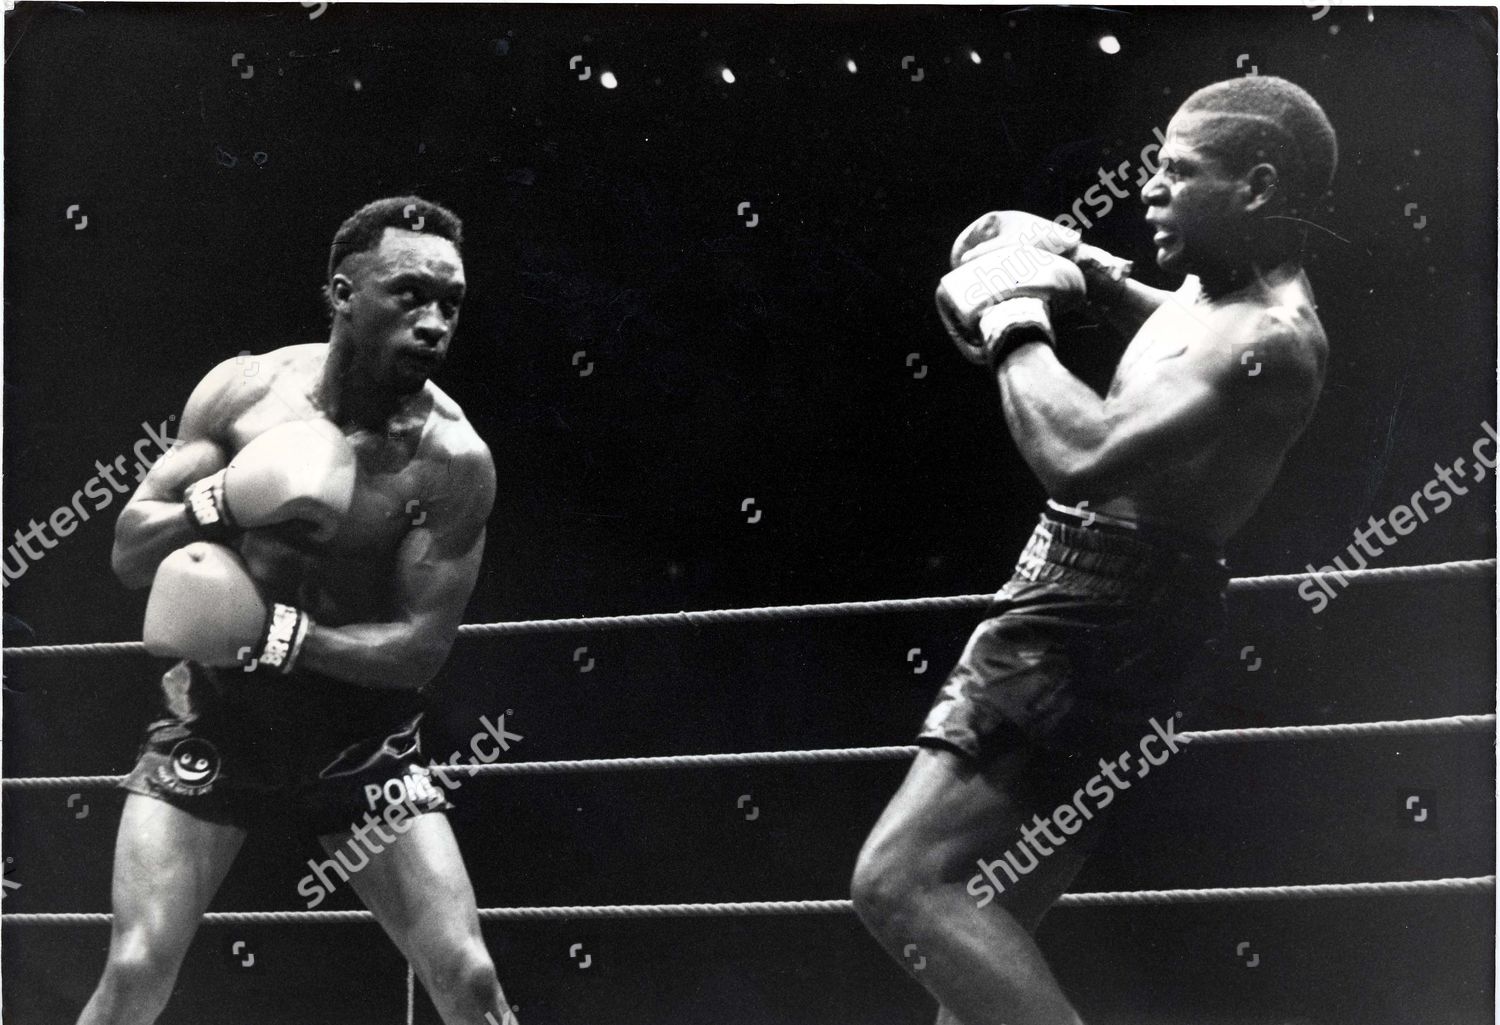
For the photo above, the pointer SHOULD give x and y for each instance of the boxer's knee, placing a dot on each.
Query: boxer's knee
(888, 883)
(139, 975)
(464, 972)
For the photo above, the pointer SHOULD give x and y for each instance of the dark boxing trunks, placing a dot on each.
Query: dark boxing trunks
(247, 748)
(1097, 632)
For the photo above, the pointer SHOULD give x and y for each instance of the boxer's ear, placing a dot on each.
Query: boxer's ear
(339, 291)
(1261, 188)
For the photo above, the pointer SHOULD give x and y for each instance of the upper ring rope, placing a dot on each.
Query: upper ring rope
(1236, 894)
(705, 617)
(1328, 731)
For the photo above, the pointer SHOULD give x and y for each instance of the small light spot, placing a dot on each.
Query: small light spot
(853, 68)
(974, 56)
(1109, 44)
(727, 75)
(608, 80)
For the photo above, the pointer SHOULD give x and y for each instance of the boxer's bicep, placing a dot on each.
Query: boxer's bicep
(1192, 398)
(199, 450)
(153, 522)
(433, 584)
(184, 463)
(1166, 416)
(439, 558)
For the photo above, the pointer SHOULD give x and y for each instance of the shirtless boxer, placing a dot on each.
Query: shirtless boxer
(310, 543)
(1121, 586)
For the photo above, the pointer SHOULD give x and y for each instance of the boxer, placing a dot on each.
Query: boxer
(310, 545)
(1121, 589)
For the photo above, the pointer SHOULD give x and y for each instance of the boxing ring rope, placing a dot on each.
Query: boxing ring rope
(1405, 727)
(1466, 568)
(727, 909)
(822, 756)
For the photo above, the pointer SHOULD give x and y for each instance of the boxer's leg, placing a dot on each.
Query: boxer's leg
(419, 890)
(911, 886)
(168, 866)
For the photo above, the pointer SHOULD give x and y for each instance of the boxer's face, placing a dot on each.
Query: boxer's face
(402, 302)
(1195, 206)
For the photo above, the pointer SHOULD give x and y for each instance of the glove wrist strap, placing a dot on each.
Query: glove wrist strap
(281, 640)
(206, 508)
(1015, 322)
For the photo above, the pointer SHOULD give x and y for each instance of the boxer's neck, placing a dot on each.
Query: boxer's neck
(350, 391)
(1219, 283)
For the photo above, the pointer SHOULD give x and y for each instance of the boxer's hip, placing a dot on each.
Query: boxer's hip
(1100, 628)
(233, 746)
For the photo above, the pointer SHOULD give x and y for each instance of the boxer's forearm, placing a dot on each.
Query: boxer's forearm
(1125, 305)
(385, 656)
(145, 534)
(1057, 421)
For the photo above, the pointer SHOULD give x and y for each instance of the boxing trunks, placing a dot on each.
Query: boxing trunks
(244, 748)
(1102, 628)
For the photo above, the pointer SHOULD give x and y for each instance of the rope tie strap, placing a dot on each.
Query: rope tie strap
(706, 617)
(1231, 894)
(1332, 731)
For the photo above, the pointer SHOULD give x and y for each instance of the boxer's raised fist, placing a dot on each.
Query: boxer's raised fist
(1000, 229)
(301, 470)
(997, 301)
(204, 606)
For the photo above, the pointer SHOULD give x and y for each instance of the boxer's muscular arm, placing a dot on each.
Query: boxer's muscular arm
(154, 523)
(437, 565)
(1082, 446)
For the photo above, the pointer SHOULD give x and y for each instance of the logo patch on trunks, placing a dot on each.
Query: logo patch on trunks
(414, 788)
(194, 767)
(1034, 555)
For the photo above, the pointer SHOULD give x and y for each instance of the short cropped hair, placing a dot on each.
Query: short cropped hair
(1262, 118)
(361, 233)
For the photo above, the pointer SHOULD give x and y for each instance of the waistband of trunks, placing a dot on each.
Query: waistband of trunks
(1107, 550)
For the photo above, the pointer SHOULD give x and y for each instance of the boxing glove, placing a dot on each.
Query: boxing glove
(205, 606)
(1001, 228)
(998, 301)
(300, 470)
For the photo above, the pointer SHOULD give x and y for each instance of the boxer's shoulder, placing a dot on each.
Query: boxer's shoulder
(248, 393)
(244, 377)
(1283, 328)
(451, 442)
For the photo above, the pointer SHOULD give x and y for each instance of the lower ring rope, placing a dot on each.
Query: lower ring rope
(1391, 574)
(1331, 731)
(1233, 894)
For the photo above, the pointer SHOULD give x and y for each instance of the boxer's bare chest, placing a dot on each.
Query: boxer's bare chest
(1169, 332)
(356, 568)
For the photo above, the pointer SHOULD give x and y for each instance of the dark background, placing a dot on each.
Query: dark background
(768, 362)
